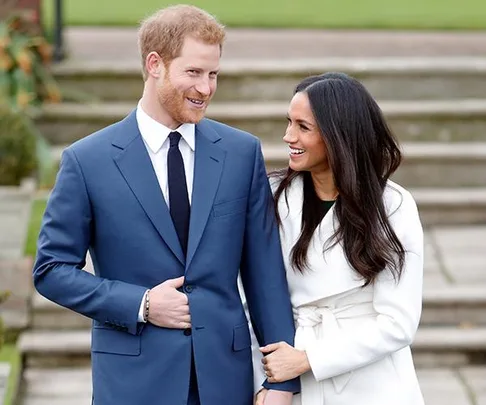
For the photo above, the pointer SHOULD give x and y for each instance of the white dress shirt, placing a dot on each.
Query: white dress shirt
(156, 139)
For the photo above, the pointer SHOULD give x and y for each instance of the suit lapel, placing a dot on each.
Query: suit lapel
(208, 165)
(134, 163)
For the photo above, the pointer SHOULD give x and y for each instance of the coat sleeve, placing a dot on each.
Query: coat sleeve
(262, 270)
(398, 306)
(61, 253)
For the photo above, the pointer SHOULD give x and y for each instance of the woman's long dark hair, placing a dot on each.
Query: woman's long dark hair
(363, 154)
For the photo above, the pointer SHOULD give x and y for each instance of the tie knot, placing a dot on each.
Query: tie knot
(174, 138)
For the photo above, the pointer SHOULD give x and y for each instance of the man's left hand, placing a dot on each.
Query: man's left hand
(283, 362)
(274, 397)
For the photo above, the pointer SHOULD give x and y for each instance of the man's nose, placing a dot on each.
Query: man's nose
(203, 87)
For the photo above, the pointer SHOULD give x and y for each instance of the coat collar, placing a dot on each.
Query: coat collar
(329, 273)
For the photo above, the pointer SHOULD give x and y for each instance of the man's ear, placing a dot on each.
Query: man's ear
(154, 65)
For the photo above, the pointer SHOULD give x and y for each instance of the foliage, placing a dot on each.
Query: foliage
(36, 214)
(25, 79)
(18, 146)
(3, 298)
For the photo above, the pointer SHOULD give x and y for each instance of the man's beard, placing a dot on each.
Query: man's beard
(174, 102)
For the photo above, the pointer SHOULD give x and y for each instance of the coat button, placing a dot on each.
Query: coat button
(188, 332)
(188, 289)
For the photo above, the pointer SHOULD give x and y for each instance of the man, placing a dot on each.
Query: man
(171, 207)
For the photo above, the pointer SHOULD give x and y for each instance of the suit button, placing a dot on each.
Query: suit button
(188, 289)
(188, 332)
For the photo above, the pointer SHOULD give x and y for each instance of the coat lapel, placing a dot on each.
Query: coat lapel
(328, 274)
(208, 165)
(134, 163)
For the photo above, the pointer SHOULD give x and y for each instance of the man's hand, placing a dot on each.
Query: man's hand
(274, 397)
(284, 362)
(169, 308)
(260, 396)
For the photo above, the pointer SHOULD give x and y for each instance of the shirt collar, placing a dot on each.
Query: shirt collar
(155, 134)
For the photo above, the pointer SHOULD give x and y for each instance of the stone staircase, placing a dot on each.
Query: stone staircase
(452, 332)
(434, 105)
(15, 270)
(437, 108)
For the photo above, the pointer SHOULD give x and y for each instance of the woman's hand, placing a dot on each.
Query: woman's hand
(283, 362)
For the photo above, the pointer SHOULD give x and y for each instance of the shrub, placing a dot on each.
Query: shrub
(25, 79)
(18, 153)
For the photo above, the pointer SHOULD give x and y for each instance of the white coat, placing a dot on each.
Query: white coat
(357, 339)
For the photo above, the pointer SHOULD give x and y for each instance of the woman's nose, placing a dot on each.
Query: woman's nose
(289, 137)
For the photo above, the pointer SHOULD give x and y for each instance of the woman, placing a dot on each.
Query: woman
(353, 248)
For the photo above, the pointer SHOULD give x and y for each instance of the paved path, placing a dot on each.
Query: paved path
(455, 256)
(466, 386)
(119, 45)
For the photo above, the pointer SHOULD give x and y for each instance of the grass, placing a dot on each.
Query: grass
(38, 208)
(387, 14)
(10, 354)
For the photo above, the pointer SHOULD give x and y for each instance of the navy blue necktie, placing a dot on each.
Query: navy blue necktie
(178, 198)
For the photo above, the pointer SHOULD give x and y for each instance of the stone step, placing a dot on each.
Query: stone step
(17, 193)
(445, 306)
(425, 164)
(441, 180)
(72, 386)
(58, 400)
(55, 348)
(463, 305)
(449, 206)
(434, 121)
(65, 386)
(47, 315)
(265, 80)
(433, 347)
(15, 277)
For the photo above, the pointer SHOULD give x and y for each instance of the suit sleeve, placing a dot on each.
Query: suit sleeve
(61, 253)
(398, 305)
(262, 270)
(257, 356)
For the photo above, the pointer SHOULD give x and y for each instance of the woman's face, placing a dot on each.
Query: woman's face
(307, 150)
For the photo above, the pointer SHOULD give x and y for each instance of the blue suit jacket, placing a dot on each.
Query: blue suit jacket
(107, 199)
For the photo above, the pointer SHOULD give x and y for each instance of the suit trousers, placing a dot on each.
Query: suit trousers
(193, 397)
